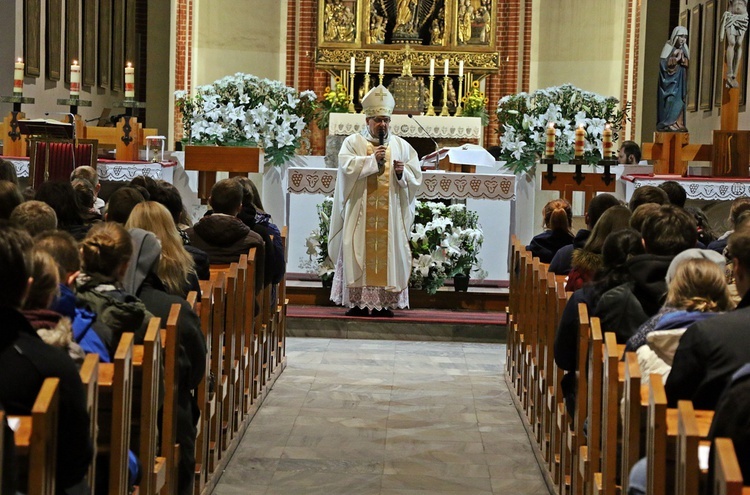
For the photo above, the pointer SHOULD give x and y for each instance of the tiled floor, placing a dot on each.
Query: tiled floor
(385, 418)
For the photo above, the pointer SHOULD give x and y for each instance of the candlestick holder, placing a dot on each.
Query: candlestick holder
(550, 161)
(578, 175)
(73, 103)
(367, 87)
(14, 134)
(607, 176)
(445, 112)
(351, 92)
(430, 108)
(380, 79)
(459, 110)
(129, 105)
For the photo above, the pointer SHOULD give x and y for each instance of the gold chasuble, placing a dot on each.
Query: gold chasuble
(376, 230)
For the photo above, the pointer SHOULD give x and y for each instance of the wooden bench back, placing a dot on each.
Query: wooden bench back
(89, 374)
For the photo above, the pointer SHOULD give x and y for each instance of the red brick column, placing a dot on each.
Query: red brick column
(632, 37)
(183, 55)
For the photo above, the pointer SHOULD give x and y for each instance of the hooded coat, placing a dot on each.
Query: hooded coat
(223, 238)
(83, 320)
(55, 330)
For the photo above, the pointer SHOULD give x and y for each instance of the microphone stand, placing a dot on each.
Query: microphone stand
(437, 154)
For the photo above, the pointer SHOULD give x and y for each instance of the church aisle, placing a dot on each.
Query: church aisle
(386, 417)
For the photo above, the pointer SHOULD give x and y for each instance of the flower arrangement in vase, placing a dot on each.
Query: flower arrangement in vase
(335, 100)
(524, 118)
(317, 245)
(475, 104)
(245, 110)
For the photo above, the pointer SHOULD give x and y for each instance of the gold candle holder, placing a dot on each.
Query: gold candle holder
(459, 110)
(430, 108)
(367, 86)
(380, 79)
(351, 92)
(445, 112)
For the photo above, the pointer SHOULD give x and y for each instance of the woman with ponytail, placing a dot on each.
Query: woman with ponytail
(697, 290)
(558, 220)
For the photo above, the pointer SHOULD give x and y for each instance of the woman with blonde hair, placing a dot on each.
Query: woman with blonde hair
(558, 220)
(696, 290)
(176, 268)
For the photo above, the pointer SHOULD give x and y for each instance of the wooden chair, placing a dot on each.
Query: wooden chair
(631, 434)
(115, 408)
(89, 374)
(169, 446)
(146, 386)
(36, 440)
(728, 475)
(206, 404)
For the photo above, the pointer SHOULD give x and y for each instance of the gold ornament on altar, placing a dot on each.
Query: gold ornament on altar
(339, 21)
(474, 22)
(409, 17)
(408, 90)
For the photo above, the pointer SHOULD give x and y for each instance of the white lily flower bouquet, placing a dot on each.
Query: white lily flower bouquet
(524, 118)
(245, 110)
(317, 244)
(445, 241)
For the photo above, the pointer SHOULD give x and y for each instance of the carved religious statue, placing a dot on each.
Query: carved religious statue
(733, 27)
(339, 22)
(672, 90)
(377, 25)
(437, 30)
(408, 17)
(474, 22)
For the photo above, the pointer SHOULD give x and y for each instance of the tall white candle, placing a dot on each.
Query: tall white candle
(18, 77)
(75, 79)
(445, 71)
(367, 65)
(129, 81)
(382, 64)
(351, 65)
(432, 66)
(460, 68)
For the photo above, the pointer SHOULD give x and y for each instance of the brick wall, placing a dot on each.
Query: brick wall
(183, 55)
(630, 74)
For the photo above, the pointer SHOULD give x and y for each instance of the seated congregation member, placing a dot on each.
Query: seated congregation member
(618, 249)
(629, 153)
(666, 233)
(85, 195)
(91, 175)
(647, 194)
(697, 290)
(274, 249)
(54, 328)
(222, 235)
(705, 233)
(175, 268)
(739, 206)
(10, 197)
(25, 361)
(558, 219)
(105, 254)
(560, 263)
(121, 203)
(64, 250)
(145, 282)
(641, 213)
(62, 198)
(675, 193)
(588, 259)
(710, 351)
(8, 171)
(34, 217)
(169, 196)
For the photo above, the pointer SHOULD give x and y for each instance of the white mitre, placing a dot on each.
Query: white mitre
(378, 102)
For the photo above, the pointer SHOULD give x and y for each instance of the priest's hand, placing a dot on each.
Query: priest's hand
(380, 154)
(398, 168)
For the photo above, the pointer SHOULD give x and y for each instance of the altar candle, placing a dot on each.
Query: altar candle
(607, 142)
(580, 140)
(381, 67)
(550, 148)
(75, 79)
(351, 65)
(445, 71)
(460, 68)
(367, 65)
(129, 81)
(432, 66)
(18, 77)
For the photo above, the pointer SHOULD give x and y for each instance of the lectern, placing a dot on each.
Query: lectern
(207, 160)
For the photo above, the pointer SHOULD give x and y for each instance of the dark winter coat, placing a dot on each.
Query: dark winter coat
(545, 245)
(563, 259)
(223, 238)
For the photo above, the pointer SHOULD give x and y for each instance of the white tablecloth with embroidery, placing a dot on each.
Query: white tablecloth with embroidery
(114, 171)
(308, 180)
(709, 188)
(343, 124)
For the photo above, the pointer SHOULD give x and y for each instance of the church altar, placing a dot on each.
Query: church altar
(463, 128)
(708, 188)
(114, 170)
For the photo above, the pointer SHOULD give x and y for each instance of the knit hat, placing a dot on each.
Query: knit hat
(695, 254)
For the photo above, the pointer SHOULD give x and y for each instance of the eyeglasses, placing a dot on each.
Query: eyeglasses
(382, 120)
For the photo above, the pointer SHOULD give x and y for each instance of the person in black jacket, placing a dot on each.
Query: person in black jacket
(25, 362)
(558, 219)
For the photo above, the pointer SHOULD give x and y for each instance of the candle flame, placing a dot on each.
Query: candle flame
(129, 65)
(607, 127)
(75, 62)
(19, 60)
(551, 125)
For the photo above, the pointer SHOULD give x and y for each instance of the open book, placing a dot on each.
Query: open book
(46, 128)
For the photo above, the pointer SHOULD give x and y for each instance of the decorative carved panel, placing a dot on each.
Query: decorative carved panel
(338, 22)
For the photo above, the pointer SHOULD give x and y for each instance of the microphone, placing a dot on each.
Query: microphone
(437, 155)
(381, 140)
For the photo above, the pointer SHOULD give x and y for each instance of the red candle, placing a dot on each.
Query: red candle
(607, 142)
(579, 142)
(18, 77)
(75, 80)
(129, 81)
(550, 148)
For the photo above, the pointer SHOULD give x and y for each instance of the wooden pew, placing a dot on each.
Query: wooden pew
(589, 454)
(605, 481)
(36, 440)
(115, 408)
(147, 381)
(511, 311)
(206, 404)
(282, 301)
(230, 366)
(89, 374)
(631, 435)
(576, 438)
(687, 476)
(217, 368)
(728, 475)
(251, 350)
(169, 446)
(555, 403)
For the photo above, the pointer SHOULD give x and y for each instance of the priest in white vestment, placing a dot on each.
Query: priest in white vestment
(373, 212)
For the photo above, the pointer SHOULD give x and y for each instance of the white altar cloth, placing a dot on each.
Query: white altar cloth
(344, 124)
